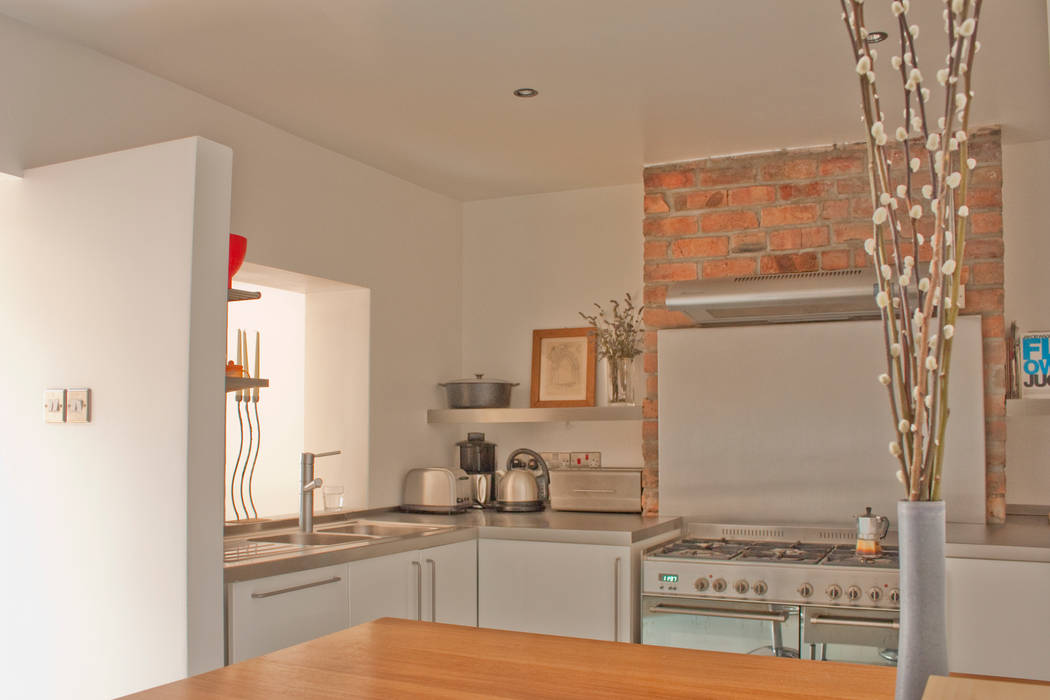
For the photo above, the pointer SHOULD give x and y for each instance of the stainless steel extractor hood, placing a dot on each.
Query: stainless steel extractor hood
(780, 298)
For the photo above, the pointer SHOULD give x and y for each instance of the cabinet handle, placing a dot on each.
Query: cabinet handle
(616, 601)
(718, 612)
(856, 622)
(433, 589)
(419, 590)
(300, 587)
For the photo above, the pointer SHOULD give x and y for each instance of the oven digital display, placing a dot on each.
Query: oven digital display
(669, 578)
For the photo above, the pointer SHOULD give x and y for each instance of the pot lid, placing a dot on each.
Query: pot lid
(478, 379)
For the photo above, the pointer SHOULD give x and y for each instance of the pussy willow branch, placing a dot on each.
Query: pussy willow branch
(960, 250)
(918, 345)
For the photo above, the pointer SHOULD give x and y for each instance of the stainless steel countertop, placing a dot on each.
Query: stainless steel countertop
(617, 529)
(1021, 538)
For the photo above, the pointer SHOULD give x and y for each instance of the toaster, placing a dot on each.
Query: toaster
(436, 490)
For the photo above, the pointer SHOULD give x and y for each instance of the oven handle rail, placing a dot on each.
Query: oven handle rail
(669, 609)
(855, 622)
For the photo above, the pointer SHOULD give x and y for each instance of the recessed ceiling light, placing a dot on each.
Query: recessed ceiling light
(526, 92)
(876, 37)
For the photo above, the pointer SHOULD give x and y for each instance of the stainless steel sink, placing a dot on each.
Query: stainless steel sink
(373, 528)
(314, 538)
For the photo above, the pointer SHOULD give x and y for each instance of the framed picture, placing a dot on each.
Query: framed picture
(563, 361)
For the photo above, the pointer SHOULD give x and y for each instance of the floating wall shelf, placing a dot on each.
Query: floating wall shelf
(238, 383)
(241, 295)
(1028, 407)
(533, 415)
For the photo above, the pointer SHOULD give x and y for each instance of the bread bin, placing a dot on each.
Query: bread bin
(606, 490)
(436, 490)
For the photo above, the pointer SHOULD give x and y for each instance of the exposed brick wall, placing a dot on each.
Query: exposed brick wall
(805, 210)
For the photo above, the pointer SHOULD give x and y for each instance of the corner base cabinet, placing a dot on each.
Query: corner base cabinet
(572, 590)
(275, 612)
(438, 584)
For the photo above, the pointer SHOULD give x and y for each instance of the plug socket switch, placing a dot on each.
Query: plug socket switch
(54, 405)
(78, 405)
(586, 459)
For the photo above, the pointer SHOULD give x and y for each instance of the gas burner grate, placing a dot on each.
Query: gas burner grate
(693, 548)
(792, 552)
(844, 555)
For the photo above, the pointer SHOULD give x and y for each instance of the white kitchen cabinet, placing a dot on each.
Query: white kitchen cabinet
(436, 584)
(388, 586)
(450, 574)
(999, 617)
(575, 590)
(271, 613)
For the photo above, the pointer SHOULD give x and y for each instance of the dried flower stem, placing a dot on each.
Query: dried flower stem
(620, 335)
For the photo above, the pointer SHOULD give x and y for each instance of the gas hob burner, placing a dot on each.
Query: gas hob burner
(846, 555)
(692, 548)
(791, 552)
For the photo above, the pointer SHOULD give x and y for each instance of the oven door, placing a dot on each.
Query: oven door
(854, 636)
(718, 625)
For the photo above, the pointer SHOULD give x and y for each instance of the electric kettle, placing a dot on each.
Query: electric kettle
(520, 491)
(871, 529)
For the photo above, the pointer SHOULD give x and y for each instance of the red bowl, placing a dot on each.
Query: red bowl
(238, 248)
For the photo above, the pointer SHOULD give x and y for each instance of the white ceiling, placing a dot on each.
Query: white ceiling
(422, 88)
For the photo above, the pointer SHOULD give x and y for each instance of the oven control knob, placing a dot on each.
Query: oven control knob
(701, 584)
(895, 595)
(719, 585)
(760, 588)
(805, 590)
(875, 594)
(834, 591)
(741, 586)
(853, 593)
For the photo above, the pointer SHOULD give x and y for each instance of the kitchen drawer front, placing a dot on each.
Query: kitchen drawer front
(279, 611)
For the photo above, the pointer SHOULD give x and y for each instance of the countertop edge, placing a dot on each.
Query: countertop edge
(292, 562)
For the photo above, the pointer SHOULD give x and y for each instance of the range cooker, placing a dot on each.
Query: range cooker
(772, 590)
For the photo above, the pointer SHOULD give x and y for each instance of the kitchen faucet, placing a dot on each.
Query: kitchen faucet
(307, 485)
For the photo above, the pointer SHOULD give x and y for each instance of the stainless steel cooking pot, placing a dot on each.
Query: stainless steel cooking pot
(478, 392)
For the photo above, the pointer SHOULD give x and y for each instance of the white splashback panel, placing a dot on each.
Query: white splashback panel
(788, 423)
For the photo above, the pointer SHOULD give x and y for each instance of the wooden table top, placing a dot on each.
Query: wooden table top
(391, 658)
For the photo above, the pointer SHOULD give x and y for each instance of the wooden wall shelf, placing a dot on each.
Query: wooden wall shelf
(238, 383)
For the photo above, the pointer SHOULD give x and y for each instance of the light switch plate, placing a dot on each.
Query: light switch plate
(78, 405)
(587, 459)
(54, 405)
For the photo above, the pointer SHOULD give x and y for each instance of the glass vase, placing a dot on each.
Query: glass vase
(620, 380)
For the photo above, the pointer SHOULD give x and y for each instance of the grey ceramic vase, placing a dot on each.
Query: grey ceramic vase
(922, 650)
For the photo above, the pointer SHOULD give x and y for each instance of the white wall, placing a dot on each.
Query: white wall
(303, 208)
(1026, 190)
(280, 317)
(535, 262)
(337, 390)
(106, 583)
